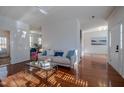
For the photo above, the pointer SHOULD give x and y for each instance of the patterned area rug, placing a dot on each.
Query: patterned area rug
(37, 79)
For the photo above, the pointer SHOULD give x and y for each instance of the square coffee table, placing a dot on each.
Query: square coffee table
(45, 66)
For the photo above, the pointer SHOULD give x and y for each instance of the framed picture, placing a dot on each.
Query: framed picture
(98, 41)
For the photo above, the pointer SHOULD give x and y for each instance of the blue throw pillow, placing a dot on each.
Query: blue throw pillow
(70, 54)
(58, 54)
(44, 53)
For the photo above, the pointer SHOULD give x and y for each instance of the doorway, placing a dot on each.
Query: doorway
(95, 52)
(95, 43)
(4, 47)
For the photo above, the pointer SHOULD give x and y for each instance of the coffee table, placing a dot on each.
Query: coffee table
(45, 66)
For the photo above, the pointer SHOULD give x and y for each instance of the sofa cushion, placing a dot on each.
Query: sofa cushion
(61, 60)
(57, 59)
(44, 57)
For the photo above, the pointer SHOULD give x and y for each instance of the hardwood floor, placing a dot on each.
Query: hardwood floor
(93, 71)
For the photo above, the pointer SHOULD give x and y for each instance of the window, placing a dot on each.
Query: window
(3, 43)
(30, 40)
(39, 41)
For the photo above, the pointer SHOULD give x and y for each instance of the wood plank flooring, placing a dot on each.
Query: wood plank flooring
(92, 71)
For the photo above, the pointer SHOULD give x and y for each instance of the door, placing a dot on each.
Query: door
(115, 47)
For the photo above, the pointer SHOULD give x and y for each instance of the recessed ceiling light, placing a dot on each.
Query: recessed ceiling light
(93, 17)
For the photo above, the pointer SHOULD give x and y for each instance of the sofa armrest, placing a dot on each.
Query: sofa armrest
(73, 60)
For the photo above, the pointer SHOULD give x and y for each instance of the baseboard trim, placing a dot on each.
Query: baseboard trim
(4, 65)
(21, 62)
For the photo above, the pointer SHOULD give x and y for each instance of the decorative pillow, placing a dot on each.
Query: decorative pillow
(58, 54)
(70, 54)
(44, 53)
(65, 53)
(50, 52)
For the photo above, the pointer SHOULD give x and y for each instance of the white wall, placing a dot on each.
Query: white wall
(117, 18)
(64, 35)
(19, 39)
(93, 49)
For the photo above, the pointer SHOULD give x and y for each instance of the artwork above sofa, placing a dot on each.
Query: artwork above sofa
(63, 58)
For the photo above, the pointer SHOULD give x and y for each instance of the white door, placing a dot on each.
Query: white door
(115, 53)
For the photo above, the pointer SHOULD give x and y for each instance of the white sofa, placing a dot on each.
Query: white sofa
(60, 60)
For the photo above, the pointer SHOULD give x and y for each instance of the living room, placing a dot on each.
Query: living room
(50, 35)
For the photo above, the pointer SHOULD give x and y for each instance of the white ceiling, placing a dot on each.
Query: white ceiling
(32, 15)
